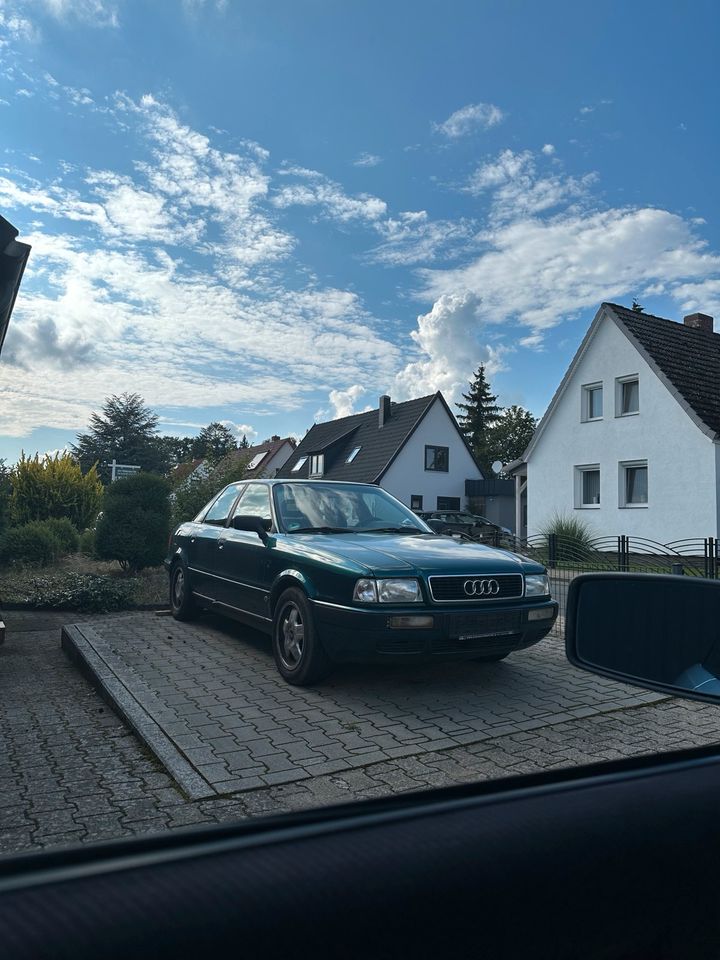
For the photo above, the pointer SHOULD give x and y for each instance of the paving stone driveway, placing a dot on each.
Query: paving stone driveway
(71, 770)
(212, 689)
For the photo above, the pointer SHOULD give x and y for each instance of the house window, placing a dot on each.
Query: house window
(317, 464)
(353, 453)
(437, 458)
(416, 501)
(587, 486)
(627, 396)
(634, 484)
(592, 401)
(256, 460)
(299, 465)
(448, 503)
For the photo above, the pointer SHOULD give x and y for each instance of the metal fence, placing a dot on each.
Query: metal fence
(566, 557)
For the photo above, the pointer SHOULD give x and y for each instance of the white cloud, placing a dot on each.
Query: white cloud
(548, 149)
(518, 189)
(98, 13)
(449, 348)
(344, 402)
(314, 189)
(367, 160)
(539, 272)
(472, 117)
(412, 237)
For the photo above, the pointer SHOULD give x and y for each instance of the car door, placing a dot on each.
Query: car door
(202, 543)
(243, 560)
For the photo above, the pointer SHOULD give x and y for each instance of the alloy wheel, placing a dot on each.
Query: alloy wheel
(292, 636)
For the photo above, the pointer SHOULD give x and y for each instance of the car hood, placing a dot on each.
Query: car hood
(395, 554)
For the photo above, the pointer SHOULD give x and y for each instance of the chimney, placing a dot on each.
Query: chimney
(699, 321)
(384, 410)
(274, 438)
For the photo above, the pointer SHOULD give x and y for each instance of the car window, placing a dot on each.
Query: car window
(220, 510)
(255, 502)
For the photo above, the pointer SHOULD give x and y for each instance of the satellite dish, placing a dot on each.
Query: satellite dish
(497, 466)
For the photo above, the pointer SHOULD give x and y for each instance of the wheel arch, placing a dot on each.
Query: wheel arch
(285, 580)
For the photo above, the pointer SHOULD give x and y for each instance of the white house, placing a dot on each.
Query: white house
(631, 439)
(414, 450)
(266, 458)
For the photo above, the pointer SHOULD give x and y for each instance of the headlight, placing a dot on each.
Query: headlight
(387, 591)
(399, 591)
(537, 585)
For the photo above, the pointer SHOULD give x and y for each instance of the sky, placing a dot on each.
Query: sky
(270, 212)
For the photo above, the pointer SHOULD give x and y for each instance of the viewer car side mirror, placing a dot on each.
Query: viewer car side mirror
(258, 525)
(656, 631)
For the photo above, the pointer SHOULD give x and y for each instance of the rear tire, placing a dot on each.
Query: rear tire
(299, 654)
(182, 604)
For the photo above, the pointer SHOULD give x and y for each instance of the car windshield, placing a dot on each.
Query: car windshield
(342, 508)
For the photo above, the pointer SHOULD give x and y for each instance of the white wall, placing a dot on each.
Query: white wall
(682, 470)
(277, 461)
(408, 475)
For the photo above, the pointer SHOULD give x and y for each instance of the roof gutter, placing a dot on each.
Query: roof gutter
(13, 257)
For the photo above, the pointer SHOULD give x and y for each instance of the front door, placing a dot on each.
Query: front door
(203, 544)
(244, 560)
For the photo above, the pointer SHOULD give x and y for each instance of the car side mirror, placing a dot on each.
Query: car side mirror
(258, 525)
(656, 631)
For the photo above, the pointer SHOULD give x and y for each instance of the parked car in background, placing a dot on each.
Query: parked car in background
(471, 524)
(339, 571)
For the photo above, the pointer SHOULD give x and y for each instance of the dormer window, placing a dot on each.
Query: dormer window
(353, 453)
(317, 464)
(592, 401)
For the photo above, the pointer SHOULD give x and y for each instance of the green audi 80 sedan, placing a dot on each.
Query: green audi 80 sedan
(345, 572)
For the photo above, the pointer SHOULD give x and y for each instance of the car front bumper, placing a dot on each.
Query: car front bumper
(354, 634)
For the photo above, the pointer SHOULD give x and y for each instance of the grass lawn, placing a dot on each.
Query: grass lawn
(26, 583)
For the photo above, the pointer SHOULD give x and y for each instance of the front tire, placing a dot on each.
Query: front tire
(299, 655)
(182, 604)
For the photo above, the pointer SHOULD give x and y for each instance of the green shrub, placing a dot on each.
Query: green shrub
(87, 543)
(54, 487)
(32, 543)
(84, 593)
(135, 522)
(65, 532)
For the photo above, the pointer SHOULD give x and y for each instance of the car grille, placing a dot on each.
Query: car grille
(452, 589)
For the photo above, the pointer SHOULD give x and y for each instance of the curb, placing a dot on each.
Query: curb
(77, 642)
(29, 606)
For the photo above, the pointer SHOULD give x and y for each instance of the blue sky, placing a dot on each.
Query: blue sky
(268, 213)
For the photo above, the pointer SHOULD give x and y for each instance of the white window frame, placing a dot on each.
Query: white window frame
(619, 384)
(623, 467)
(587, 388)
(579, 471)
(317, 465)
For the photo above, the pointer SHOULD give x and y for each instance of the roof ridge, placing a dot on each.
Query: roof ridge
(653, 316)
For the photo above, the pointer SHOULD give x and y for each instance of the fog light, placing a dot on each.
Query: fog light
(411, 623)
(543, 613)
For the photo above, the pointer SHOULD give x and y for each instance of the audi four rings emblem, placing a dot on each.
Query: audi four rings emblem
(482, 588)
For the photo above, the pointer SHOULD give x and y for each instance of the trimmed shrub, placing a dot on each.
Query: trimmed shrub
(135, 522)
(32, 543)
(87, 543)
(65, 532)
(85, 593)
(54, 487)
